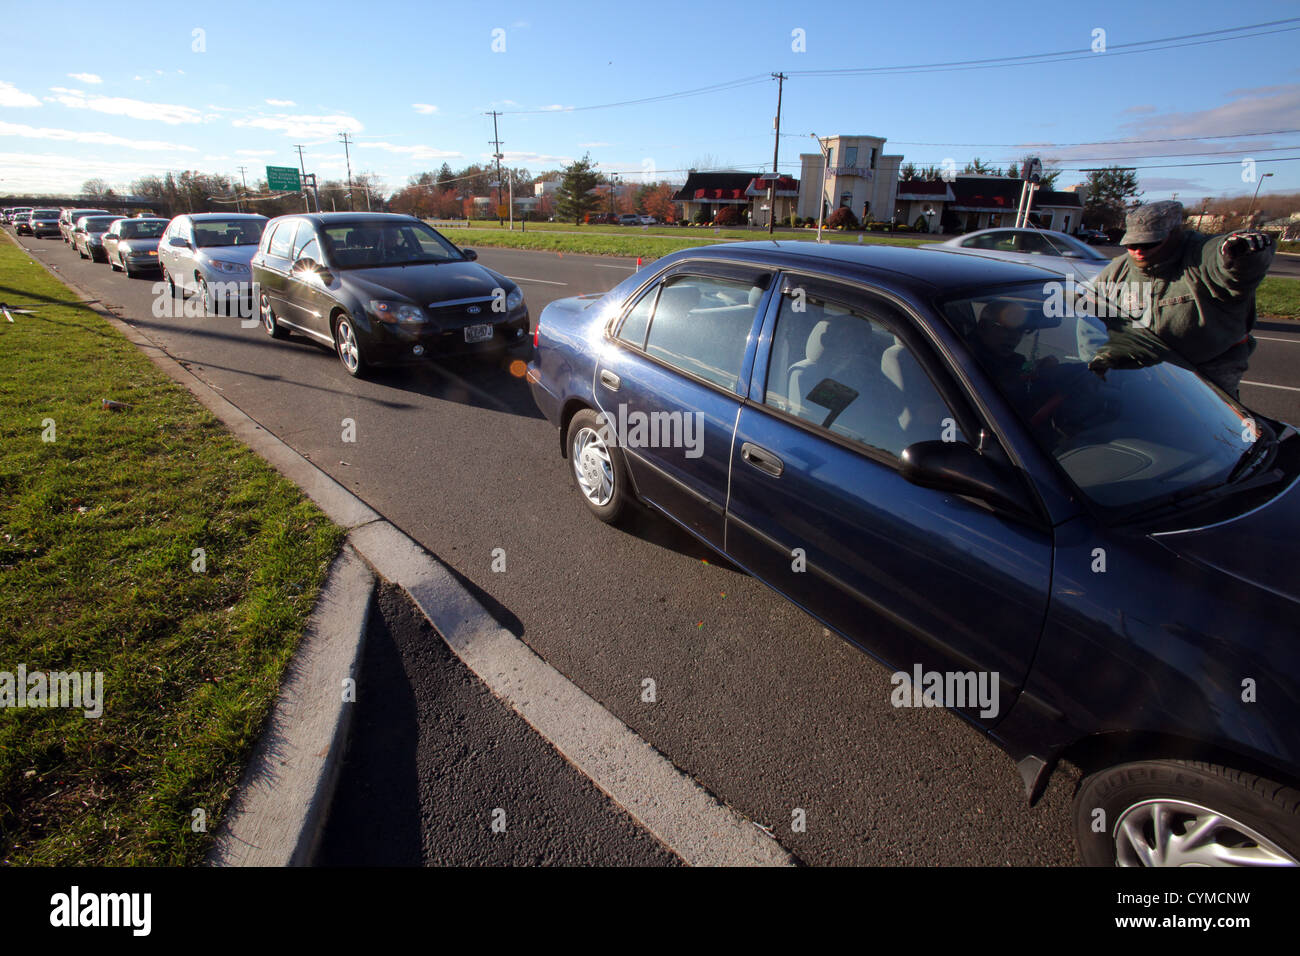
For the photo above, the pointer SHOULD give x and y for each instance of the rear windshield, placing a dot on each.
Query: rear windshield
(100, 223)
(143, 229)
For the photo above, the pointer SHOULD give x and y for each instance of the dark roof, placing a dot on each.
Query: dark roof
(923, 187)
(994, 192)
(925, 272)
(703, 187)
(210, 216)
(785, 186)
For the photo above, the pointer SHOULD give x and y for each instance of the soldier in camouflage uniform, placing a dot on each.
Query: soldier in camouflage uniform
(1184, 292)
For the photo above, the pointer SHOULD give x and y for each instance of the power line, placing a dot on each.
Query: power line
(343, 138)
(1098, 142)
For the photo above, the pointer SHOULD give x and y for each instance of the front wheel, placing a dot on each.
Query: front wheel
(597, 467)
(273, 328)
(1182, 813)
(348, 347)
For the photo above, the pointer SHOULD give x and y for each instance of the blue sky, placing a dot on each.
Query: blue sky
(145, 93)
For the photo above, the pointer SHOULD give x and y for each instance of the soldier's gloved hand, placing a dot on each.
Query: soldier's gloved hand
(1243, 244)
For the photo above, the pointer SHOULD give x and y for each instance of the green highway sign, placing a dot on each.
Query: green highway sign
(283, 179)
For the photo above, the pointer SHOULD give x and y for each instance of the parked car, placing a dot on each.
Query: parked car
(132, 244)
(629, 219)
(1093, 237)
(1029, 246)
(68, 220)
(382, 289)
(210, 251)
(20, 221)
(912, 448)
(43, 222)
(647, 220)
(88, 236)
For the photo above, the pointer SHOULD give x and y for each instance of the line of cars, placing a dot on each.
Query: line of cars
(377, 288)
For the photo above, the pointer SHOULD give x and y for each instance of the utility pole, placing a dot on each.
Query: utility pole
(343, 138)
(776, 150)
(306, 195)
(243, 170)
(496, 154)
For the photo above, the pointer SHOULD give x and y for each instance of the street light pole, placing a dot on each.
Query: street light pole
(1256, 196)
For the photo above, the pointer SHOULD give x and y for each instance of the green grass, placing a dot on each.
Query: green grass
(97, 530)
(1278, 297)
(632, 241)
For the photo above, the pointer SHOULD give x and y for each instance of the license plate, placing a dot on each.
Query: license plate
(478, 333)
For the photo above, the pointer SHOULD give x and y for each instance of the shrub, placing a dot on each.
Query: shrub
(843, 218)
(701, 217)
(727, 216)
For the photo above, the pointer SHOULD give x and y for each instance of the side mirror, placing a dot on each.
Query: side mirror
(469, 254)
(179, 241)
(309, 265)
(959, 468)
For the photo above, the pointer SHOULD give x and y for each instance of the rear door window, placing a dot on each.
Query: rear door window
(701, 326)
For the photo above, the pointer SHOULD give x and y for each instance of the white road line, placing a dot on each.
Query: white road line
(1289, 388)
(527, 279)
(602, 265)
(1269, 338)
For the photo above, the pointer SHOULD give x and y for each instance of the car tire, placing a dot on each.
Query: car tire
(126, 269)
(1179, 813)
(80, 254)
(167, 277)
(597, 468)
(205, 297)
(348, 347)
(272, 327)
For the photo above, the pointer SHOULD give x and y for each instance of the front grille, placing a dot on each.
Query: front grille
(457, 315)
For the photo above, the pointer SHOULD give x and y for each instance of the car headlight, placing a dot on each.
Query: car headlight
(230, 268)
(386, 311)
(514, 300)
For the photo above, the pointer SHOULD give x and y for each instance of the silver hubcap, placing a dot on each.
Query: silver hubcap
(1176, 833)
(592, 466)
(267, 319)
(347, 342)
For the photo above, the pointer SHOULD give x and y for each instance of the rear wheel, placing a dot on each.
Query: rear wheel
(1180, 813)
(597, 467)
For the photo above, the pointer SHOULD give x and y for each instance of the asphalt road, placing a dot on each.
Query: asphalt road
(755, 700)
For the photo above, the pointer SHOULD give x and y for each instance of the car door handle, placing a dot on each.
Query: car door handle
(610, 380)
(762, 459)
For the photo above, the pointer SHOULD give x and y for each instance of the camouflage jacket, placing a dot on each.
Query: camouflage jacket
(1199, 304)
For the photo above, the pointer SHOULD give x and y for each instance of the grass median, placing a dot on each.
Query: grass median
(146, 545)
(1278, 297)
(628, 241)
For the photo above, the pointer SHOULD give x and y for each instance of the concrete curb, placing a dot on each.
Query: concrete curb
(279, 810)
(277, 814)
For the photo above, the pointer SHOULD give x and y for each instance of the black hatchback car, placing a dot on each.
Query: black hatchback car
(916, 449)
(382, 289)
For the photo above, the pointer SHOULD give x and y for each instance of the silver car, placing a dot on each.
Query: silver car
(1035, 247)
(88, 236)
(209, 254)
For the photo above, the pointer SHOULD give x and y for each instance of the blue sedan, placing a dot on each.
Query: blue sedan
(1088, 563)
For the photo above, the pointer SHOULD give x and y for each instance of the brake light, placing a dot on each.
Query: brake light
(537, 332)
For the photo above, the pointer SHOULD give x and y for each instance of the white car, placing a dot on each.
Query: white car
(648, 220)
(1035, 247)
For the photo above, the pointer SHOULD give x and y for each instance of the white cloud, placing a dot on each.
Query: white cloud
(425, 108)
(10, 95)
(557, 106)
(532, 159)
(303, 126)
(81, 136)
(121, 106)
(594, 145)
(86, 78)
(414, 152)
(281, 102)
(255, 152)
(54, 173)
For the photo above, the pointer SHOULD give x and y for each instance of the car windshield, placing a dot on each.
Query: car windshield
(228, 232)
(1133, 440)
(144, 229)
(365, 245)
(99, 223)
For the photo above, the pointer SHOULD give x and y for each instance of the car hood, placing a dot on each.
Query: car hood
(427, 283)
(1260, 547)
(241, 254)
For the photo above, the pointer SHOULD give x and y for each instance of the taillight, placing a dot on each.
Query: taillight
(537, 332)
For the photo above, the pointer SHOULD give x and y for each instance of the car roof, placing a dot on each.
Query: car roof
(326, 218)
(921, 270)
(223, 216)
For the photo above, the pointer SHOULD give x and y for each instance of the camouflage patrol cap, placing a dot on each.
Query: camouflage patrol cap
(1152, 222)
